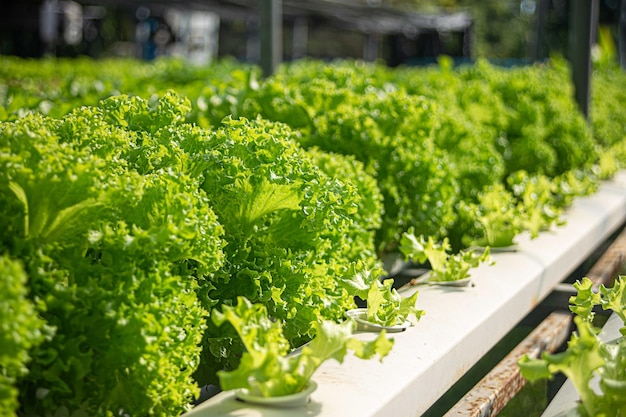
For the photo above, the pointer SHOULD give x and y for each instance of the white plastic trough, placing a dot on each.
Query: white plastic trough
(460, 325)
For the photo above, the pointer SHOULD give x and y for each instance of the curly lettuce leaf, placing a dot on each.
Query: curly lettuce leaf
(293, 232)
(583, 303)
(579, 363)
(609, 298)
(587, 357)
(267, 370)
(499, 216)
(115, 250)
(614, 298)
(21, 330)
(385, 306)
(444, 266)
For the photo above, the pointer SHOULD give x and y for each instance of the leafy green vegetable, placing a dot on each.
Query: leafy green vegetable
(387, 308)
(21, 330)
(536, 201)
(389, 131)
(607, 115)
(545, 133)
(111, 254)
(293, 232)
(613, 298)
(267, 370)
(583, 303)
(579, 363)
(496, 217)
(587, 357)
(444, 266)
(368, 216)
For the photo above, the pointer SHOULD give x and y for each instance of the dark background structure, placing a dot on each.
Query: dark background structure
(266, 32)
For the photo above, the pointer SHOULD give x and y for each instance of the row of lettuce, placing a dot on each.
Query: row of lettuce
(138, 200)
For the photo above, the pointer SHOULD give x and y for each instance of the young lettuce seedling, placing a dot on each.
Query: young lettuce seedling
(587, 357)
(444, 267)
(385, 306)
(267, 370)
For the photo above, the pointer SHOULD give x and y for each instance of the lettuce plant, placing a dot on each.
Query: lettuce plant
(21, 329)
(389, 131)
(443, 265)
(495, 218)
(111, 249)
(292, 231)
(368, 216)
(267, 369)
(385, 306)
(587, 357)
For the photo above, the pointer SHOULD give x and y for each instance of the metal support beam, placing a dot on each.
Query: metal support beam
(468, 41)
(538, 47)
(370, 47)
(622, 35)
(583, 27)
(300, 39)
(271, 35)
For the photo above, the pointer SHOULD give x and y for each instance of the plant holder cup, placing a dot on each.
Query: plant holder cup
(495, 249)
(359, 315)
(298, 399)
(424, 279)
(465, 282)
